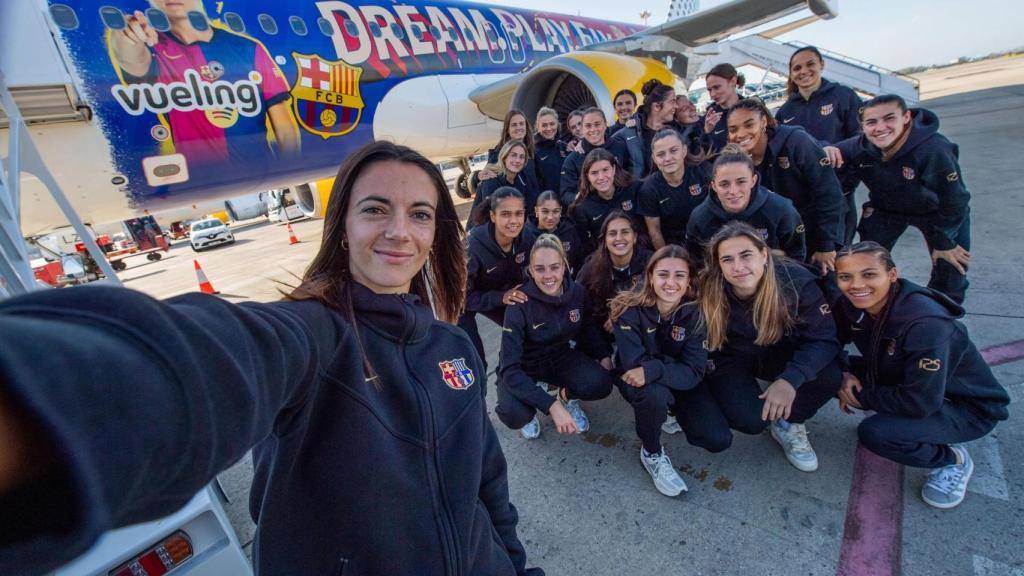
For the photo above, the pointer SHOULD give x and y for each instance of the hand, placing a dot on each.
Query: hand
(131, 44)
(630, 123)
(847, 393)
(514, 296)
(957, 256)
(778, 400)
(825, 260)
(606, 363)
(576, 146)
(634, 377)
(608, 326)
(710, 120)
(564, 422)
(485, 174)
(835, 157)
(138, 30)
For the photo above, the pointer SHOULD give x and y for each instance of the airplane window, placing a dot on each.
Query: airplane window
(417, 33)
(112, 18)
(325, 27)
(158, 20)
(234, 22)
(198, 20)
(375, 29)
(64, 16)
(268, 24)
(491, 35)
(435, 33)
(351, 28)
(298, 25)
(397, 31)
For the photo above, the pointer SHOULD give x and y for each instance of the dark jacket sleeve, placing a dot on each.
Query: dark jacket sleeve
(480, 300)
(172, 392)
(629, 342)
(513, 378)
(942, 176)
(495, 497)
(685, 371)
(629, 145)
(647, 199)
(828, 194)
(848, 149)
(570, 180)
(926, 352)
(792, 238)
(851, 122)
(815, 331)
(694, 240)
(589, 338)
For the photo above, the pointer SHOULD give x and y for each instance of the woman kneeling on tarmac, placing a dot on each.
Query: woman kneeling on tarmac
(535, 347)
(919, 371)
(766, 320)
(330, 389)
(661, 351)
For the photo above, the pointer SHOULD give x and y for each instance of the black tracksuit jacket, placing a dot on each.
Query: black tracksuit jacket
(573, 166)
(673, 205)
(142, 422)
(589, 215)
(671, 351)
(492, 272)
(923, 357)
(770, 214)
(922, 179)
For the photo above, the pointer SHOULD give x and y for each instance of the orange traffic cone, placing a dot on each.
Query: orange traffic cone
(204, 285)
(291, 235)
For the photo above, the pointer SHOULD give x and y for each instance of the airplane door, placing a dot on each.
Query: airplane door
(516, 47)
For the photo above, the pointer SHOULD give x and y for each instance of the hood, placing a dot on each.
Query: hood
(778, 136)
(757, 199)
(542, 142)
(915, 301)
(534, 292)
(823, 90)
(925, 125)
(483, 237)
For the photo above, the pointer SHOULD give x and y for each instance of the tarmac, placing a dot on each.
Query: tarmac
(588, 508)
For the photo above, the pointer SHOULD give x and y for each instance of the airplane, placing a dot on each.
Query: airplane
(273, 95)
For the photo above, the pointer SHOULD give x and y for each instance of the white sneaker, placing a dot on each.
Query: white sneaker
(671, 425)
(947, 486)
(795, 444)
(531, 430)
(576, 411)
(665, 477)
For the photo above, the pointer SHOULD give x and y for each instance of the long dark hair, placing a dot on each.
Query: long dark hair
(527, 140)
(878, 327)
(442, 281)
(602, 281)
(791, 86)
(643, 293)
(623, 179)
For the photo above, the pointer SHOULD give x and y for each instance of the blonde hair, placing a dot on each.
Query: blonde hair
(546, 111)
(643, 293)
(506, 149)
(551, 242)
(771, 313)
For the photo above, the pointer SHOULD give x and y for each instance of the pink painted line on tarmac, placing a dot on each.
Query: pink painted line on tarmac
(1003, 353)
(873, 532)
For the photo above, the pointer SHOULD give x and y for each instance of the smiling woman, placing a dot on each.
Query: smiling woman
(319, 382)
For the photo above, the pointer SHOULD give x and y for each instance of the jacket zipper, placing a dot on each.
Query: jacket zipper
(449, 543)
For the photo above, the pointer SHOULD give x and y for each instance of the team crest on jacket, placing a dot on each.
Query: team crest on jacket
(929, 364)
(520, 257)
(824, 161)
(826, 109)
(824, 309)
(908, 173)
(627, 205)
(783, 162)
(678, 333)
(574, 315)
(456, 374)
(952, 177)
(764, 233)
(325, 98)
(891, 350)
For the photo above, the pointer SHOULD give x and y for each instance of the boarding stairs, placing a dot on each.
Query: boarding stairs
(773, 55)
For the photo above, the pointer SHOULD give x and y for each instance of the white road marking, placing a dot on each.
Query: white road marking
(989, 477)
(987, 567)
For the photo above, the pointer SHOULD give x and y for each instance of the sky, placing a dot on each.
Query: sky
(893, 34)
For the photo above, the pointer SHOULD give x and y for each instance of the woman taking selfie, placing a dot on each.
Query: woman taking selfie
(316, 385)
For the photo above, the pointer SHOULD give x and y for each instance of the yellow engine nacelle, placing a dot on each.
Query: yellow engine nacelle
(569, 81)
(312, 198)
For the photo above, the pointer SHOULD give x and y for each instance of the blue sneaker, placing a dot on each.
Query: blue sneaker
(947, 486)
(532, 429)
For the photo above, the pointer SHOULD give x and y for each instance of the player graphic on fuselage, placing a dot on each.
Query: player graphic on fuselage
(237, 109)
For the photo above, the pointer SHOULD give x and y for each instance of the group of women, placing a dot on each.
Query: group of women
(729, 323)
(357, 393)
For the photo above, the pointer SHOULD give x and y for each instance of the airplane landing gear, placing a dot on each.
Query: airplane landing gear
(464, 183)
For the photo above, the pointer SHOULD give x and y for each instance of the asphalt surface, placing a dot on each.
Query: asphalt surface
(588, 508)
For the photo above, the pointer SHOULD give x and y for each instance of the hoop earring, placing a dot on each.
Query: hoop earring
(344, 244)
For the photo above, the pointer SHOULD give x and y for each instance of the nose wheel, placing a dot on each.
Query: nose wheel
(464, 183)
